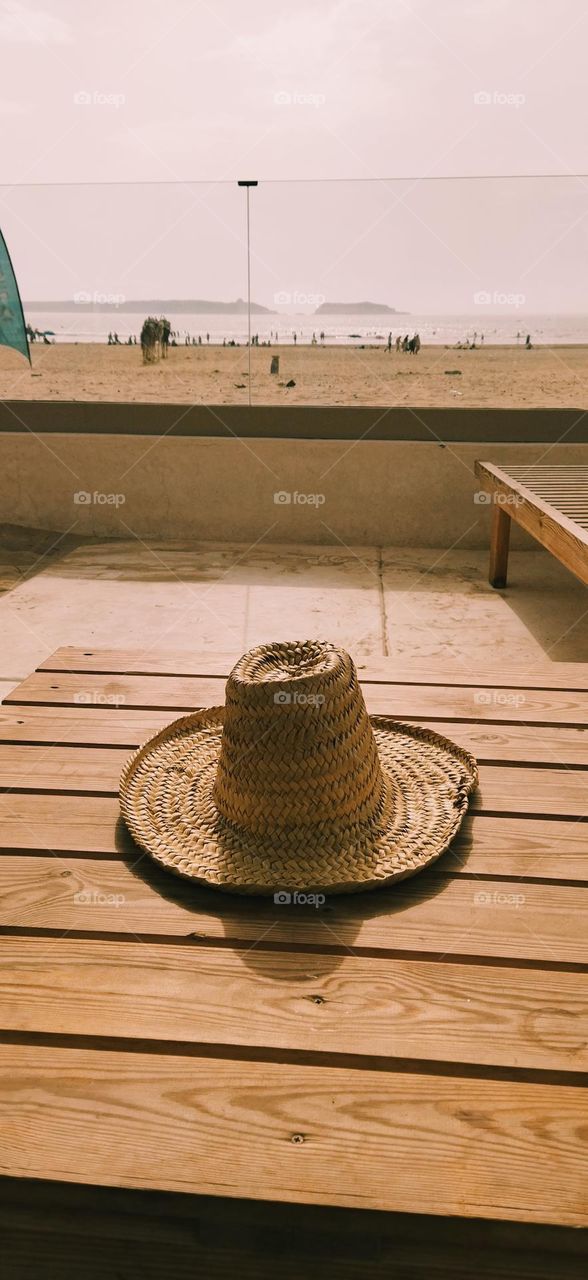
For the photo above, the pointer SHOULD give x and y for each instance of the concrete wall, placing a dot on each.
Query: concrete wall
(389, 492)
(300, 422)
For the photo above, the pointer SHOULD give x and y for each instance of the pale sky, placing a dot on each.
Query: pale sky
(132, 90)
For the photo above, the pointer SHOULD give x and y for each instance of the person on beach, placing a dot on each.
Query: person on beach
(399, 342)
(528, 343)
(295, 338)
(389, 343)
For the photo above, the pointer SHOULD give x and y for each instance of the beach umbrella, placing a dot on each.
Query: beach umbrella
(12, 322)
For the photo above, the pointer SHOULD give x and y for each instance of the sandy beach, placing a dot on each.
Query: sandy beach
(489, 376)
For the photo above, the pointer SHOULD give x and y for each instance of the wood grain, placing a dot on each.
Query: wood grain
(486, 844)
(397, 1034)
(540, 674)
(430, 702)
(550, 792)
(360, 1006)
(444, 917)
(370, 1139)
(124, 727)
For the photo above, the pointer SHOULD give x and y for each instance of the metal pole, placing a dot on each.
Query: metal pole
(248, 303)
(248, 183)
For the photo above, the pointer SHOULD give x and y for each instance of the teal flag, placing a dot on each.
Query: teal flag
(12, 322)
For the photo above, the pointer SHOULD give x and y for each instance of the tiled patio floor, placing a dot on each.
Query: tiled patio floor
(416, 603)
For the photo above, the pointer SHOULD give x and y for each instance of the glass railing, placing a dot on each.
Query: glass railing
(414, 292)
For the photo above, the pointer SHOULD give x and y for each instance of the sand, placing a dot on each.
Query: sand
(493, 376)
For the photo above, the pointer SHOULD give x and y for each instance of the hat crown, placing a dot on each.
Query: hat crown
(298, 749)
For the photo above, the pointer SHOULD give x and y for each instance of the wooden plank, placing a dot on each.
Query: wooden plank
(73, 726)
(527, 489)
(427, 914)
(431, 702)
(499, 545)
(547, 792)
(560, 535)
(498, 743)
(393, 1141)
(47, 768)
(527, 847)
(538, 674)
(361, 1006)
(486, 845)
(115, 692)
(552, 792)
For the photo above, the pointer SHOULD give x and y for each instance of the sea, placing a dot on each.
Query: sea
(339, 330)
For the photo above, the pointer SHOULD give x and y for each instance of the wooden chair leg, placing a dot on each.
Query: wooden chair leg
(499, 540)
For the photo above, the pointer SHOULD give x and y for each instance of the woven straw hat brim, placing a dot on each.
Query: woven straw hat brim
(166, 796)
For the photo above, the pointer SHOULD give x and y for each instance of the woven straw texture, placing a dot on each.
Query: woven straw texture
(292, 786)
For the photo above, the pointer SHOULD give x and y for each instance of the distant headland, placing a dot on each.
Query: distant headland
(357, 309)
(150, 306)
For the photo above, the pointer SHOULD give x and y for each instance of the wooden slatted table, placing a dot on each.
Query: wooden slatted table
(550, 502)
(418, 1051)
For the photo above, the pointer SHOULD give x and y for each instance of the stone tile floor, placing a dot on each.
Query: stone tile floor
(419, 604)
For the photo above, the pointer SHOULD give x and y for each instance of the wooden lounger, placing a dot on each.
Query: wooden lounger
(550, 502)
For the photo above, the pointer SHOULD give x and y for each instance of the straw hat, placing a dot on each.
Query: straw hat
(292, 786)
